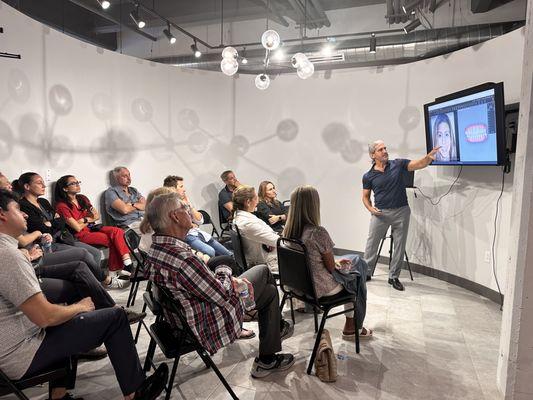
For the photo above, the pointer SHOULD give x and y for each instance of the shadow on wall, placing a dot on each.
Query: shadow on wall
(337, 138)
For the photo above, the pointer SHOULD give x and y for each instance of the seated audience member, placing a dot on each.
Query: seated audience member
(124, 204)
(259, 239)
(66, 254)
(36, 334)
(209, 300)
(81, 218)
(269, 208)
(41, 216)
(144, 227)
(196, 238)
(225, 205)
(303, 224)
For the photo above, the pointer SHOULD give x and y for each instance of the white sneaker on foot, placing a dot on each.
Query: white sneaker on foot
(117, 283)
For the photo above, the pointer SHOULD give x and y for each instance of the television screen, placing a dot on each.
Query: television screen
(468, 126)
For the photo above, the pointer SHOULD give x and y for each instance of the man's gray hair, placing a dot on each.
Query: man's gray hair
(372, 147)
(117, 170)
(159, 208)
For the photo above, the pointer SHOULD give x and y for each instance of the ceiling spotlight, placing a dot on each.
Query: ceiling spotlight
(327, 50)
(104, 4)
(229, 66)
(411, 26)
(170, 36)
(270, 40)
(262, 81)
(279, 55)
(372, 43)
(197, 53)
(410, 6)
(134, 15)
(244, 61)
(230, 52)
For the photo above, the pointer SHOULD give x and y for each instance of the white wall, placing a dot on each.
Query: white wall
(73, 108)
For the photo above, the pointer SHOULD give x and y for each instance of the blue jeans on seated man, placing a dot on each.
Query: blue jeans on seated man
(212, 247)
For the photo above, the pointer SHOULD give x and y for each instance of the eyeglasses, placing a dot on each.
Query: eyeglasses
(76, 183)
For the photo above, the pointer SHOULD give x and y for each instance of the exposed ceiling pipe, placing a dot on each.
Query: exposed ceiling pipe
(321, 13)
(106, 15)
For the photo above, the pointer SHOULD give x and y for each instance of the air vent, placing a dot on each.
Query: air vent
(327, 59)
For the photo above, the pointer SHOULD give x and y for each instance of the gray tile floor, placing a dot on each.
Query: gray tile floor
(433, 341)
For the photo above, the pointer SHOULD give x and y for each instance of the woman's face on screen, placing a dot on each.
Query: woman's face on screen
(444, 140)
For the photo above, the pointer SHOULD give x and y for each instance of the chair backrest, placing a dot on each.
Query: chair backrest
(294, 268)
(133, 240)
(238, 248)
(208, 220)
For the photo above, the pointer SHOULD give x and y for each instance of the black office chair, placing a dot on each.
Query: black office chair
(238, 248)
(296, 280)
(173, 341)
(16, 387)
(137, 275)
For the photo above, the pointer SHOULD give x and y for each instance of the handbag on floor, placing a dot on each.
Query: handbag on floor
(325, 361)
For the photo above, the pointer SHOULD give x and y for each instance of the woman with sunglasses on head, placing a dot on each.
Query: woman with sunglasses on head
(81, 216)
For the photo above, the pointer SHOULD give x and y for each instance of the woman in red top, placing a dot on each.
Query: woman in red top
(81, 215)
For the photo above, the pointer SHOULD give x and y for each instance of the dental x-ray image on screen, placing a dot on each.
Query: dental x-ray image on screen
(466, 127)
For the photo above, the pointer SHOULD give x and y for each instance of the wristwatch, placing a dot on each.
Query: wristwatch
(84, 220)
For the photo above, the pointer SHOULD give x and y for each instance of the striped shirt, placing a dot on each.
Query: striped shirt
(211, 307)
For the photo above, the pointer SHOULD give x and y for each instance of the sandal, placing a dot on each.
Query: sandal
(363, 334)
(246, 334)
(250, 316)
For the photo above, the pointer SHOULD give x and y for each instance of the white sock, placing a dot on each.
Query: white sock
(127, 261)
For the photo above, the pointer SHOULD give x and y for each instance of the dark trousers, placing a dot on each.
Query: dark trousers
(267, 305)
(70, 282)
(64, 253)
(87, 331)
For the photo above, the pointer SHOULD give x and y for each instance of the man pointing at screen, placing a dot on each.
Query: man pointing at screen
(390, 208)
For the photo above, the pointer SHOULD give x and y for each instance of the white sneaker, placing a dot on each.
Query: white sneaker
(123, 274)
(117, 283)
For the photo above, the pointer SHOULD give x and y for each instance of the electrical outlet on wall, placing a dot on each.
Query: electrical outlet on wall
(48, 176)
(487, 256)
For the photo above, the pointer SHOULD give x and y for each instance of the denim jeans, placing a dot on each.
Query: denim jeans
(211, 248)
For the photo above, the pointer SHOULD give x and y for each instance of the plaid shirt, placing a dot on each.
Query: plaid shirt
(211, 307)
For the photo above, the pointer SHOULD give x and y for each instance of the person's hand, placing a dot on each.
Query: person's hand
(375, 211)
(344, 264)
(35, 253)
(26, 254)
(48, 223)
(86, 305)
(46, 238)
(432, 153)
(272, 219)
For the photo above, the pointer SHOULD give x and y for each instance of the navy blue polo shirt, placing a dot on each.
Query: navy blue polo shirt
(388, 186)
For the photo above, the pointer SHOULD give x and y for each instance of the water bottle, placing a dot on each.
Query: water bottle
(46, 246)
(247, 301)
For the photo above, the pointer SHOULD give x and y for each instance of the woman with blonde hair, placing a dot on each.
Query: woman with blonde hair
(259, 239)
(269, 208)
(303, 223)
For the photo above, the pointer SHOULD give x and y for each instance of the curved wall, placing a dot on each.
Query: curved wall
(69, 107)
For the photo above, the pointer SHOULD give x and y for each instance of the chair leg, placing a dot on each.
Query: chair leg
(292, 310)
(379, 252)
(139, 326)
(149, 356)
(20, 395)
(131, 296)
(221, 377)
(317, 341)
(316, 319)
(282, 304)
(357, 348)
(171, 377)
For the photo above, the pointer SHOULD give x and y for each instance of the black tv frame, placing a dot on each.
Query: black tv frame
(499, 101)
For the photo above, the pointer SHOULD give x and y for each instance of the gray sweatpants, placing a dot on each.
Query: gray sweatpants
(398, 220)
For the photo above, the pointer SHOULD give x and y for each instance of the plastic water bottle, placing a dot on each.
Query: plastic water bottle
(46, 246)
(247, 301)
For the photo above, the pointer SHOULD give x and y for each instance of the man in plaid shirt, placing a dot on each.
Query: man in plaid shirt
(209, 300)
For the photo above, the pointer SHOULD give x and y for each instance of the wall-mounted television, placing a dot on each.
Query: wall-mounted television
(469, 126)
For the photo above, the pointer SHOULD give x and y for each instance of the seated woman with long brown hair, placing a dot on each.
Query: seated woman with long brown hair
(303, 223)
(269, 208)
(81, 217)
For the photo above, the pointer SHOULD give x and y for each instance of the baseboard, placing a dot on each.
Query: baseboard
(441, 275)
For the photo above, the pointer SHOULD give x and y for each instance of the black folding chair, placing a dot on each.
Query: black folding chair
(173, 341)
(224, 223)
(238, 248)
(8, 386)
(209, 221)
(296, 280)
(137, 275)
